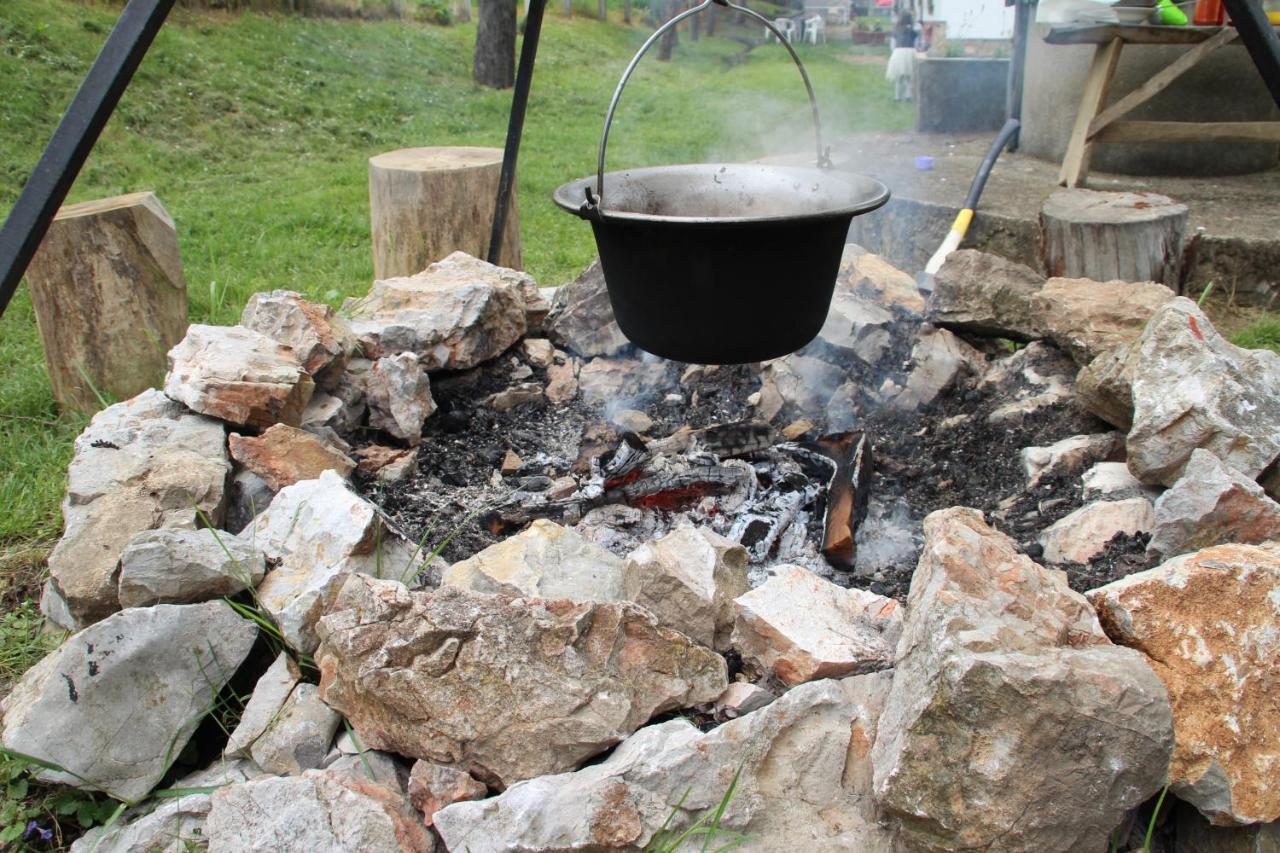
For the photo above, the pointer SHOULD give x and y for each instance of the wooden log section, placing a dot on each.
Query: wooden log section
(110, 298)
(426, 203)
(1134, 236)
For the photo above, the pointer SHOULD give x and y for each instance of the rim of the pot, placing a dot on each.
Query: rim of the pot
(863, 195)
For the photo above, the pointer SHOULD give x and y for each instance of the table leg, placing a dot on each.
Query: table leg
(1075, 165)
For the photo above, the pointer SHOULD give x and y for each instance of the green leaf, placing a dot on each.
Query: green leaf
(86, 813)
(11, 833)
(18, 788)
(66, 807)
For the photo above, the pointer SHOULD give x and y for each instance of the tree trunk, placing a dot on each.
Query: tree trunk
(568, 8)
(110, 298)
(626, 11)
(495, 64)
(667, 46)
(712, 14)
(604, 11)
(1113, 235)
(695, 27)
(425, 203)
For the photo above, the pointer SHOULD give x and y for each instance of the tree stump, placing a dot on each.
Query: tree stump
(426, 203)
(110, 298)
(1134, 236)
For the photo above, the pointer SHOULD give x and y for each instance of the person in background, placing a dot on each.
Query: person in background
(902, 61)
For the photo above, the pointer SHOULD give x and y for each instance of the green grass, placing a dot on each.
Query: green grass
(1262, 334)
(255, 132)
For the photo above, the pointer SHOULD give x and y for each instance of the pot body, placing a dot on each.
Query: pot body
(711, 293)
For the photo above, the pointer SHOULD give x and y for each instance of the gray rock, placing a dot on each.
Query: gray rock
(455, 314)
(689, 579)
(1112, 481)
(1105, 386)
(1083, 534)
(544, 560)
(986, 295)
(238, 375)
(803, 784)
(319, 338)
(1012, 722)
(170, 566)
(247, 496)
(318, 812)
(517, 395)
(269, 696)
(856, 327)
(116, 703)
(139, 465)
(871, 276)
(798, 385)
(318, 531)
(581, 318)
(1191, 388)
(516, 688)
(1212, 504)
(1036, 377)
(939, 360)
(298, 737)
(328, 411)
(1069, 456)
(619, 381)
(173, 825)
(741, 698)
(1197, 835)
(799, 627)
(398, 394)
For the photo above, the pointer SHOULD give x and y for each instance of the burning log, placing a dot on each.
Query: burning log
(846, 495)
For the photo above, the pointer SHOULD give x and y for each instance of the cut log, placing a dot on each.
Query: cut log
(1133, 236)
(110, 298)
(426, 203)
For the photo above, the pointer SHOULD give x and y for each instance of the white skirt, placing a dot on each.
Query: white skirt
(902, 63)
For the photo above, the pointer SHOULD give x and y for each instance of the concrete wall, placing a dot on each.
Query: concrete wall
(1223, 87)
(960, 95)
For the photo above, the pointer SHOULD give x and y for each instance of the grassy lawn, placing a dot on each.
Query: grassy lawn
(255, 130)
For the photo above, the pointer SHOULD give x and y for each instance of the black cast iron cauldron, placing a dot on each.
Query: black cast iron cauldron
(720, 263)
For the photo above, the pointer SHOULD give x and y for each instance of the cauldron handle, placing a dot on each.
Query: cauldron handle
(824, 159)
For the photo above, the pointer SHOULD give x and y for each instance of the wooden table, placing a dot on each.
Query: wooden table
(1095, 124)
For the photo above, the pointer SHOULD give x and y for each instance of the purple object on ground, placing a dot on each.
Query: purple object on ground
(924, 164)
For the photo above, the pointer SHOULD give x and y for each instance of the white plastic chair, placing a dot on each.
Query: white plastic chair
(786, 26)
(813, 30)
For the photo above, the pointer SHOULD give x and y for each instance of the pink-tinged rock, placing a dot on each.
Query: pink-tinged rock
(1070, 456)
(562, 381)
(284, 455)
(1207, 623)
(1083, 534)
(799, 627)
(870, 275)
(455, 314)
(985, 294)
(238, 375)
(433, 786)
(803, 784)
(741, 697)
(387, 464)
(320, 339)
(1085, 317)
(689, 580)
(1212, 505)
(398, 394)
(139, 465)
(1012, 722)
(320, 811)
(504, 688)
